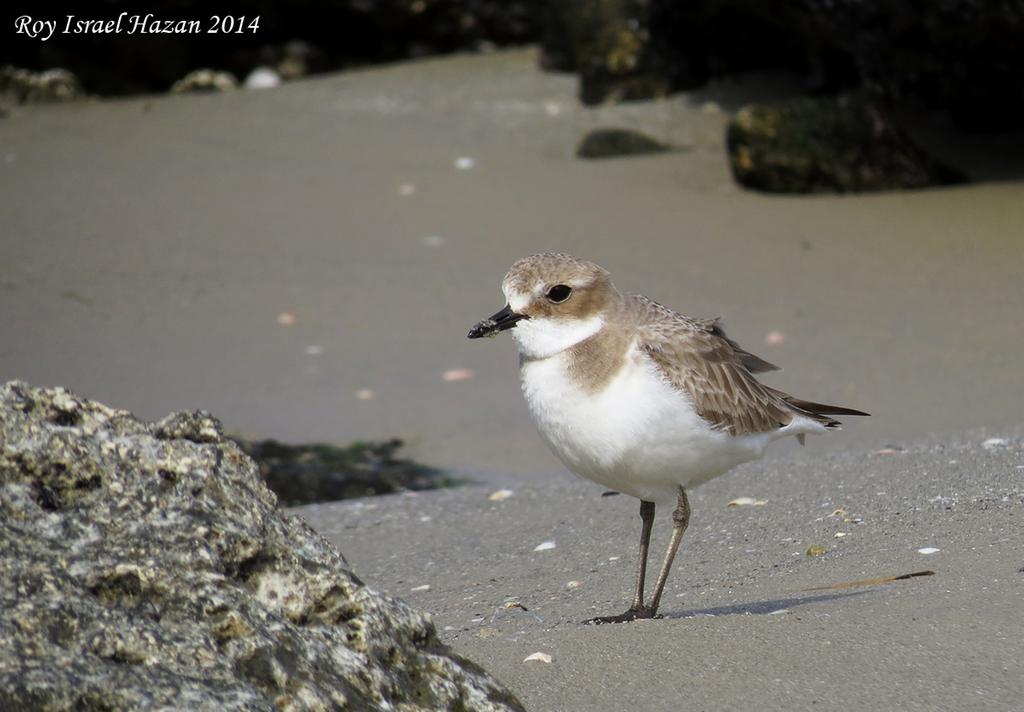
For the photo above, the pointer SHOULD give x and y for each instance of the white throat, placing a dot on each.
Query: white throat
(543, 338)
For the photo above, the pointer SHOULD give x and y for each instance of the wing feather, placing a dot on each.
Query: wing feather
(696, 357)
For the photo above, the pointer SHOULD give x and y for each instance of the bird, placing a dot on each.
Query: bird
(637, 397)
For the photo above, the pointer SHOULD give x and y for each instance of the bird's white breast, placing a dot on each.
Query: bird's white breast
(636, 434)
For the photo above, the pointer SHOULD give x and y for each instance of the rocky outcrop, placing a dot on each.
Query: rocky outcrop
(147, 566)
(844, 144)
(962, 55)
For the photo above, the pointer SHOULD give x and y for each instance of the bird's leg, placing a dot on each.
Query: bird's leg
(647, 522)
(680, 520)
(638, 609)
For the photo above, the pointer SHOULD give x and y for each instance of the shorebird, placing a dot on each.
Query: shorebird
(637, 397)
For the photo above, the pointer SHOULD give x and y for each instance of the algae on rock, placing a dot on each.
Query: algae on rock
(321, 472)
(842, 144)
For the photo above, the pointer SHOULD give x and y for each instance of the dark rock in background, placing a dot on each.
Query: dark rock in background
(611, 143)
(147, 566)
(608, 43)
(963, 55)
(327, 35)
(629, 50)
(319, 472)
(843, 144)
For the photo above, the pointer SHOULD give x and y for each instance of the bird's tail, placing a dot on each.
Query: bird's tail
(822, 408)
(817, 411)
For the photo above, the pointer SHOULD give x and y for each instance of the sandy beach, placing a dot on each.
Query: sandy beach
(743, 627)
(305, 262)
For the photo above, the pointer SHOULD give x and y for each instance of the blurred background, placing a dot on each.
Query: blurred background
(294, 224)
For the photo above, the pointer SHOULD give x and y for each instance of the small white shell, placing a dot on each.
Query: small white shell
(544, 546)
(928, 550)
(539, 657)
(500, 495)
(747, 501)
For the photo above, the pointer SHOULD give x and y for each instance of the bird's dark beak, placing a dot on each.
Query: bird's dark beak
(505, 319)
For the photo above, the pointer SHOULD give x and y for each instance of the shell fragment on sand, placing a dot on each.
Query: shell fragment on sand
(538, 657)
(747, 502)
(544, 546)
(500, 495)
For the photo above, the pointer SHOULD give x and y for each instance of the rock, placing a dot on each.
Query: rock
(626, 50)
(607, 43)
(320, 472)
(204, 80)
(961, 55)
(22, 86)
(844, 144)
(147, 566)
(612, 143)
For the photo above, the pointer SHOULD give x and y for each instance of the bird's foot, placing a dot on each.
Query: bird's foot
(634, 613)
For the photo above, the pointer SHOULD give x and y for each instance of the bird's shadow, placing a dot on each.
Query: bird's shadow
(762, 608)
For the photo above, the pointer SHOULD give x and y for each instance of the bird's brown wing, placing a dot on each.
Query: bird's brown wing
(696, 357)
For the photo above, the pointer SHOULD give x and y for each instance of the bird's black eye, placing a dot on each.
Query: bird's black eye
(559, 293)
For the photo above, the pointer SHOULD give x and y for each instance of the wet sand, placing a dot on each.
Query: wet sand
(151, 245)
